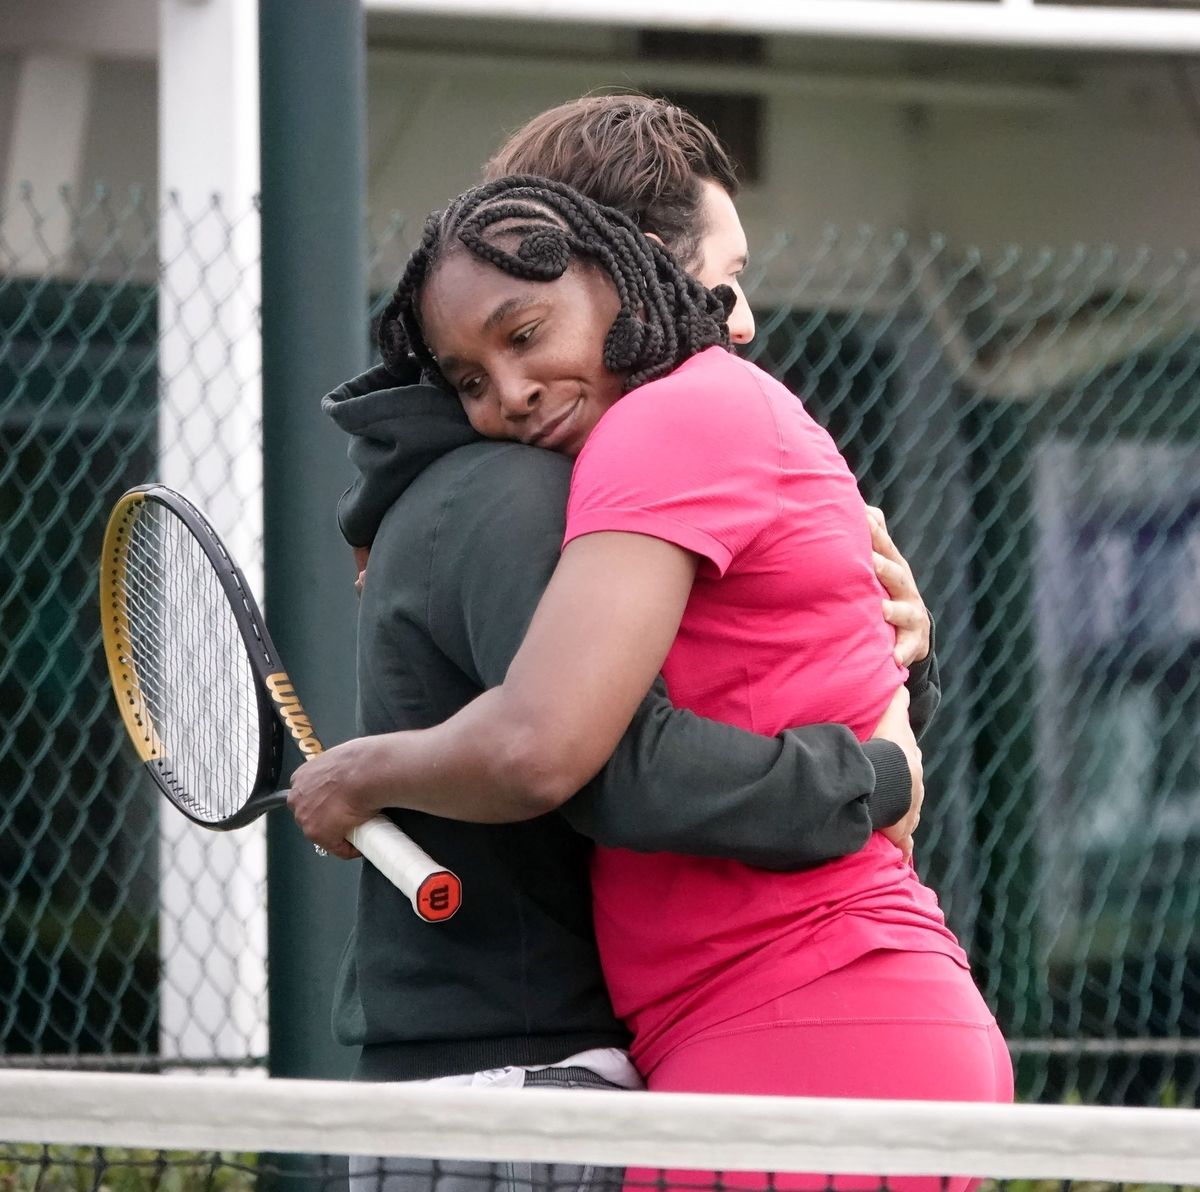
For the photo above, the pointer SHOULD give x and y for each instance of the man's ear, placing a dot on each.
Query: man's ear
(656, 238)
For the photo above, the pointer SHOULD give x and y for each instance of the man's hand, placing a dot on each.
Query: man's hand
(332, 794)
(360, 567)
(905, 611)
(894, 727)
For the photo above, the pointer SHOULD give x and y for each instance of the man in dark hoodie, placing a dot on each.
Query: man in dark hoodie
(464, 534)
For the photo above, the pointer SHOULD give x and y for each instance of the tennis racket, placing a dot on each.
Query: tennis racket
(203, 695)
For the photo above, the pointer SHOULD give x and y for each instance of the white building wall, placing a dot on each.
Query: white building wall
(212, 930)
(100, 28)
(121, 149)
(1111, 171)
(8, 95)
(1081, 148)
(1109, 158)
(118, 175)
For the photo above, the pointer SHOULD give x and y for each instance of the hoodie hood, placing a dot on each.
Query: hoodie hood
(398, 426)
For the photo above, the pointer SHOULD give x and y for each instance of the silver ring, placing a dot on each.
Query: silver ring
(320, 851)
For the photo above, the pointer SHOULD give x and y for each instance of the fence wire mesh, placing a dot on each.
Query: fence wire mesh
(1029, 419)
(129, 351)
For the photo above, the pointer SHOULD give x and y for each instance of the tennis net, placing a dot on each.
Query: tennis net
(72, 1132)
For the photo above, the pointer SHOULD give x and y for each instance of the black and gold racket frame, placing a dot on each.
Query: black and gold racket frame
(272, 688)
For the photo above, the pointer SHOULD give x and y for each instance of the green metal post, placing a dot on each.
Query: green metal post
(314, 302)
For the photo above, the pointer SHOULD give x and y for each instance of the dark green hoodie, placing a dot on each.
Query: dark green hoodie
(464, 535)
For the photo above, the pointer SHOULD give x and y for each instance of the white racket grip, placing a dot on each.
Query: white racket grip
(433, 890)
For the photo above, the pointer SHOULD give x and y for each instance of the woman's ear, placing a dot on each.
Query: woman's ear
(656, 238)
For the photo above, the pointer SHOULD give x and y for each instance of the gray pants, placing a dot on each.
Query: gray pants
(454, 1175)
(446, 1175)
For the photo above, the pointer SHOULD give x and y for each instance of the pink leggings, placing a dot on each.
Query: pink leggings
(893, 1025)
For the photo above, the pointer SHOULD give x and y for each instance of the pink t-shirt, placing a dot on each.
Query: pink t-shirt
(783, 627)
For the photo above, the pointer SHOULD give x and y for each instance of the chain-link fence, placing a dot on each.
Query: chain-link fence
(1028, 418)
(124, 934)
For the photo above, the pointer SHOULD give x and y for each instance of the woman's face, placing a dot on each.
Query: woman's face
(525, 357)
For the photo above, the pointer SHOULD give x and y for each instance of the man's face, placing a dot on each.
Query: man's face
(723, 254)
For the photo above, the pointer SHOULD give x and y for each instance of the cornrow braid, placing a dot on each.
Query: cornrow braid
(398, 336)
(665, 315)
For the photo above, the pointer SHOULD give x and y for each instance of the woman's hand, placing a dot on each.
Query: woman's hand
(334, 792)
(905, 611)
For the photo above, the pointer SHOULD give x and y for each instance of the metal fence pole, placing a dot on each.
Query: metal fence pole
(314, 335)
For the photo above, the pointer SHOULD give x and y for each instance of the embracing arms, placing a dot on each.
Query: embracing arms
(675, 782)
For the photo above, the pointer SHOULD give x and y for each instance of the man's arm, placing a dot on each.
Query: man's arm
(675, 782)
(680, 783)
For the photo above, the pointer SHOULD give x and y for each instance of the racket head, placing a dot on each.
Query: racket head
(187, 650)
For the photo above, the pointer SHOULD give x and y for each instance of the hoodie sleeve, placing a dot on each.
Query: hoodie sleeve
(677, 782)
(398, 426)
(924, 689)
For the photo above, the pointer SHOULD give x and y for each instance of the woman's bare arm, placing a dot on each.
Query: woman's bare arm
(595, 645)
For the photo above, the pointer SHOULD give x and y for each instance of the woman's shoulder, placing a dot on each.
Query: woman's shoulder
(715, 367)
(712, 406)
(712, 381)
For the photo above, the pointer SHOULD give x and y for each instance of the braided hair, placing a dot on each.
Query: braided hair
(665, 316)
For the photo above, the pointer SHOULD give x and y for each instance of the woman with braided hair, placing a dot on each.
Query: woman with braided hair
(713, 533)
(665, 316)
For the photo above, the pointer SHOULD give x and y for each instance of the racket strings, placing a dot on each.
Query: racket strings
(191, 666)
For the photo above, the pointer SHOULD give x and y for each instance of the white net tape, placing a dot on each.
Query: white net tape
(711, 1133)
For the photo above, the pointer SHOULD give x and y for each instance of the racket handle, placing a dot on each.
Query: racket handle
(434, 892)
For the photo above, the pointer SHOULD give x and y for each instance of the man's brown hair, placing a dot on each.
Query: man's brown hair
(645, 157)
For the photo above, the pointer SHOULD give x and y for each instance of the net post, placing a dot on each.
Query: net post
(314, 336)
